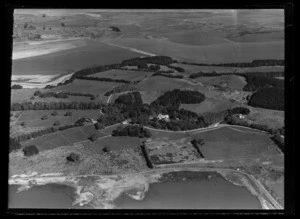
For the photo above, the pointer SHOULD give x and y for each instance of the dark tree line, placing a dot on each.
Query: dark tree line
(132, 131)
(55, 106)
(35, 134)
(16, 86)
(61, 94)
(131, 98)
(103, 79)
(146, 155)
(197, 143)
(268, 98)
(157, 60)
(254, 63)
(279, 141)
(166, 75)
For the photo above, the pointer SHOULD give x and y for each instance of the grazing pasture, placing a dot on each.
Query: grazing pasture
(209, 105)
(235, 142)
(87, 86)
(115, 143)
(32, 118)
(163, 84)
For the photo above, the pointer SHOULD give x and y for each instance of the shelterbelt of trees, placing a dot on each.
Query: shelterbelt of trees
(254, 63)
(55, 105)
(61, 94)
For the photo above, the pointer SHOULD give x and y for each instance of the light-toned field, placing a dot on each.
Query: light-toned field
(271, 118)
(122, 74)
(87, 86)
(161, 84)
(235, 52)
(209, 105)
(231, 143)
(231, 82)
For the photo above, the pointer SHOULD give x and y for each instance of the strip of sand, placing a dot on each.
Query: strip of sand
(38, 48)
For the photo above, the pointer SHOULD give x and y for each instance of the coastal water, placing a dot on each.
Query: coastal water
(92, 54)
(52, 196)
(205, 194)
(216, 193)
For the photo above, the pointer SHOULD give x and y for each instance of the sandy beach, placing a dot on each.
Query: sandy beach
(29, 49)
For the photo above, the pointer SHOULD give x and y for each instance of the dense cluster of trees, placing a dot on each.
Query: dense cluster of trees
(157, 60)
(103, 79)
(255, 82)
(14, 144)
(30, 150)
(132, 131)
(121, 88)
(269, 98)
(16, 86)
(55, 105)
(254, 63)
(131, 98)
(176, 97)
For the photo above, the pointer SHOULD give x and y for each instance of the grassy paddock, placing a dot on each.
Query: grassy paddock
(32, 118)
(231, 143)
(116, 143)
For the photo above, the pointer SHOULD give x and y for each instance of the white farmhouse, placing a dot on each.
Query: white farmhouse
(241, 116)
(163, 117)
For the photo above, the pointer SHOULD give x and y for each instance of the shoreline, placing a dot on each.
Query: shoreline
(101, 191)
(48, 78)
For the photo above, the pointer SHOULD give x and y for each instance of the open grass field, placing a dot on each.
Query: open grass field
(87, 86)
(149, 97)
(163, 84)
(122, 74)
(231, 82)
(231, 143)
(271, 118)
(209, 105)
(63, 138)
(168, 136)
(116, 143)
(32, 118)
(235, 52)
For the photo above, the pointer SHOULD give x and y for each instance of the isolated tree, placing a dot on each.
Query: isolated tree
(44, 117)
(44, 15)
(56, 123)
(63, 24)
(73, 157)
(106, 149)
(23, 124)
(25, 25)
(44, 28)
(30, 150)
(54, 113)
(98, 126)
(93, 137)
